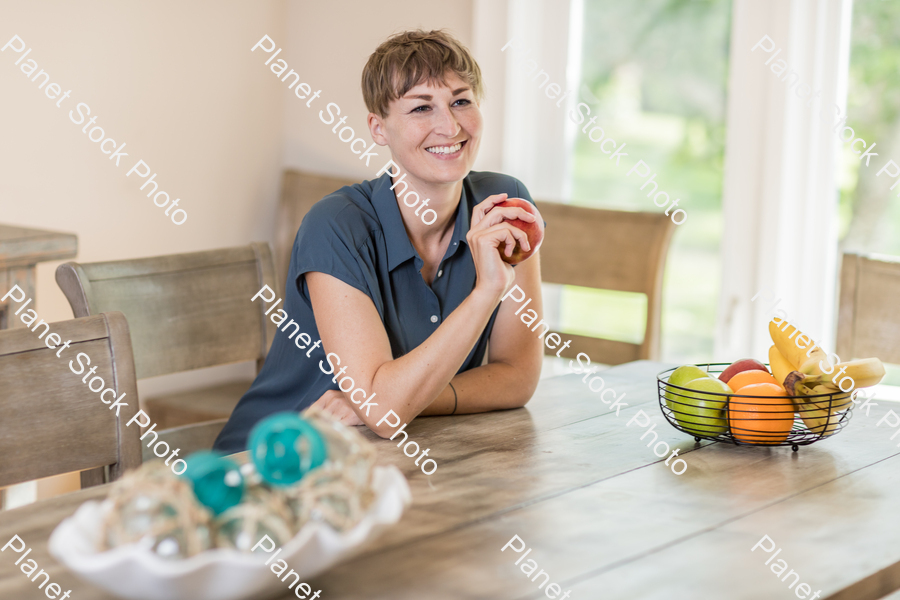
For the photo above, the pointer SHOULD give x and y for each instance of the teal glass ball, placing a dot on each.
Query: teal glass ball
(217, 481)
(284, 447)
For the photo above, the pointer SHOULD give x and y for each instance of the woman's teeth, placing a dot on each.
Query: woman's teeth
(445, 149)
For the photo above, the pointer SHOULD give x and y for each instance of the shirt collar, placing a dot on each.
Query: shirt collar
(396, 240)
(399, 248)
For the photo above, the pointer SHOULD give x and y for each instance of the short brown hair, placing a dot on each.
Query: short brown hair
(407, 59)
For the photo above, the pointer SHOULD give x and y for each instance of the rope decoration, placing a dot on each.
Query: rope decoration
(161, 512)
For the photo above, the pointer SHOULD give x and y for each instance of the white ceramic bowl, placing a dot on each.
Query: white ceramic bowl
(220, 574)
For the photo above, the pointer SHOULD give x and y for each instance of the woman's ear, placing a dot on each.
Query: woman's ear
(377, 129)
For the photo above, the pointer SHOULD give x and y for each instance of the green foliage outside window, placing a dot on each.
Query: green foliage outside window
(657, 72)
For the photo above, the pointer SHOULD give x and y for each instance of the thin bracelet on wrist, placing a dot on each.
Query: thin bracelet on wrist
(455, 399)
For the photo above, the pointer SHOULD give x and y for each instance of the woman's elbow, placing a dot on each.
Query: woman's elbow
(387, 425)
(525, 392)
(382, 431)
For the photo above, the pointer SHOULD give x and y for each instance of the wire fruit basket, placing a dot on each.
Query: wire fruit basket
(747, 420)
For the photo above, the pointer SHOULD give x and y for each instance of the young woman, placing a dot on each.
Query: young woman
(408, 311)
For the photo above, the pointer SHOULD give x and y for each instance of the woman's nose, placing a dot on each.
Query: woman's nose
(446, 123)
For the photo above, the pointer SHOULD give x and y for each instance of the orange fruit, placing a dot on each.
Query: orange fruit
(745, 378)
(765, 419)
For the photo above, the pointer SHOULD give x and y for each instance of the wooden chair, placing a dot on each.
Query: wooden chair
(299, 191)
(185, 311)
(613, 250)
(188, 438)
(52, 422)
(868, 317)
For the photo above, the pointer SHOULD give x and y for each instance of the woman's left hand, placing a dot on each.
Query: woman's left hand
(334, 403)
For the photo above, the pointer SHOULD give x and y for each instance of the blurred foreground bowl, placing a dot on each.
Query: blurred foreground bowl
(136, 573)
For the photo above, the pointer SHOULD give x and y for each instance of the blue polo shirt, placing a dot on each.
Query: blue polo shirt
(357, 235)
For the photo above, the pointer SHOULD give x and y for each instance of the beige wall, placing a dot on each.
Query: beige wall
(331, 42)
(176, 82)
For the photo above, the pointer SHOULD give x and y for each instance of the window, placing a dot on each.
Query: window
(656, 73)
(869, 211)
(869, 218)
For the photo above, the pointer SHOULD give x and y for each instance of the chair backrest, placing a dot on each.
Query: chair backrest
(188, 438)
(612, 250)
(185, 311)
(299, 191)
(52, 422)
(868, 317)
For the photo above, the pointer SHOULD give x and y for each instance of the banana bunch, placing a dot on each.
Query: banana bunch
(800, 371)
(815, 414)
(864, 372)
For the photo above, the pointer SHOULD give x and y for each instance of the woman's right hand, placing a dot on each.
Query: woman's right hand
(334, 403)
(489, 229)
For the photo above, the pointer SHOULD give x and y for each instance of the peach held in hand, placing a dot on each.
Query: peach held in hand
(535, 231)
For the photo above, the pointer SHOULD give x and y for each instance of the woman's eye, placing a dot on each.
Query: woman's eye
(422, 108)
(464, 101)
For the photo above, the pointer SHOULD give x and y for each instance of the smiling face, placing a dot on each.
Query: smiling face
(433, 131)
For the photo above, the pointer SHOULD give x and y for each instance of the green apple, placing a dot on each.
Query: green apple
(703, 414)
(681, 377)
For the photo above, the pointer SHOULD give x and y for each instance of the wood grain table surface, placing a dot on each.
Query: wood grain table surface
(604, 517)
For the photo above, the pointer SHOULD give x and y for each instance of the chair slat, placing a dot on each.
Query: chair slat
(601, 351)
(52, 422)
(189, 438)
(612, 250)
(868, 317)
(185, 311)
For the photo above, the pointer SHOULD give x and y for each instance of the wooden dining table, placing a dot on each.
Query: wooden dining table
(602, 515)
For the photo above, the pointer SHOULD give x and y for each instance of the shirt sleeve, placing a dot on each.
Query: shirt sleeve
(522, 191)
(327, 243)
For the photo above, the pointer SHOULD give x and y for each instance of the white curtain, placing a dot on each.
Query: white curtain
(780, 190)
(526, 134)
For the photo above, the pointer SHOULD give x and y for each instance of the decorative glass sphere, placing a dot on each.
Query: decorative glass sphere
(216, 480)
(285, 447)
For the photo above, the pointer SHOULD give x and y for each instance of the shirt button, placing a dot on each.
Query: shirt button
(441, 272)
(434, 319)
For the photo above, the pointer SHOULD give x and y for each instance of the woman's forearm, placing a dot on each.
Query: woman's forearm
(494, 386)
(410, 384)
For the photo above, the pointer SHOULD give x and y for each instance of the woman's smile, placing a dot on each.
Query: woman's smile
(447, 152)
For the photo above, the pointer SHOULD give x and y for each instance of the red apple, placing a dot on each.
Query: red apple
(739, 366)
(534, 231)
